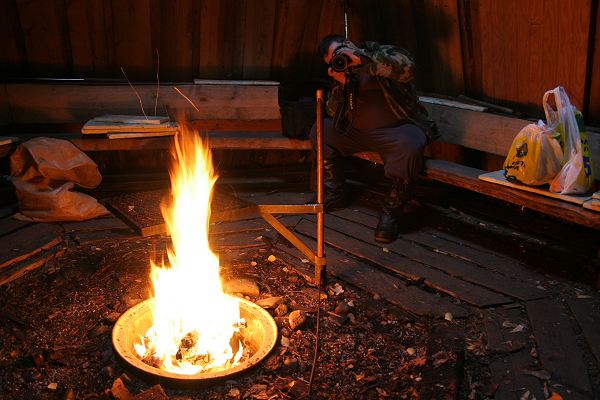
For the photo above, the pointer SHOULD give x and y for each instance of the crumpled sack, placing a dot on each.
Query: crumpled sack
(44, 172)
(576, 175)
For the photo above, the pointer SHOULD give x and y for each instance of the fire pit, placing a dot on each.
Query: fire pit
(190, 330)
(259, 337)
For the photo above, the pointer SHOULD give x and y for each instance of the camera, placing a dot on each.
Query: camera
(339, 63)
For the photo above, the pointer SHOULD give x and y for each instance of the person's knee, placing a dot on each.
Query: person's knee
(412, 145)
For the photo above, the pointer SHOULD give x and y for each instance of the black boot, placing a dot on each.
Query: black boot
(334, 192)
(334, 196)
(391, 210)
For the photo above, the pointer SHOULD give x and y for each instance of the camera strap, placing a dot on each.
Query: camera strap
(344, 116)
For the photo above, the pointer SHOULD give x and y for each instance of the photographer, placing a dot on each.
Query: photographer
(373, 107)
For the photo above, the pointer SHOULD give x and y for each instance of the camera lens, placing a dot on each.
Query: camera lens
(339, 62)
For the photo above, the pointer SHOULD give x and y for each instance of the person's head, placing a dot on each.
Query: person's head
(328, 44)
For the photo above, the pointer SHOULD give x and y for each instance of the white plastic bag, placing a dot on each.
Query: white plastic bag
(576, 175)
(44, 170)
(535, 156)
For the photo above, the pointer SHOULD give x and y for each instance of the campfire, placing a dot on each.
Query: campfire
(189, 328)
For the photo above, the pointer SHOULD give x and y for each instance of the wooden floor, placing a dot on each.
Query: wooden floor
(523, 284)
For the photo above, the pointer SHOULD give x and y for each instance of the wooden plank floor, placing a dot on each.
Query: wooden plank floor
(540, 330)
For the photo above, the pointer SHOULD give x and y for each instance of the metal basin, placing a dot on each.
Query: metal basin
(259, 336)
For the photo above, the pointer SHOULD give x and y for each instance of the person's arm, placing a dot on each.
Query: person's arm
(334, 100)
(389, 62)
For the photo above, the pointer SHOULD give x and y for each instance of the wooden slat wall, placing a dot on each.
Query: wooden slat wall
(178, 36)
(5, 117)
(44, 25)
(593, 107)
(91, 37)
(503, 51)
(441, 63)
(12, 57)
(526, 48)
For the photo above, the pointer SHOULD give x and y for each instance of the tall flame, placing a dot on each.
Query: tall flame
(193, 320)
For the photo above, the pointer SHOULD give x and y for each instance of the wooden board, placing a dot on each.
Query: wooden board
(138, 135)
(443, 372)
(255, 141)
(451, 103)
(237, 241)
(593, 205)
(110, 223)
(98, 127)
(102, 144)
(256, 225)
(4, 140)
(468, 178)
(10, 224)
(593, 107)
(18, 269)
(435, 254)
(557, 347)
(132, 119)
(132, 33)
(494, 24)
(234, 82)
(13, 56)
(511, 354)
(407, 268)
(587, 315)
(7, 144)
(141, 210)
(28, 241)
(91, 38)
(61, 103)
(390, 288)
(256, 60)
(498, 177)
(175, 38)
(43, 27)
(532, 230)
(490, 133)
(217, 140)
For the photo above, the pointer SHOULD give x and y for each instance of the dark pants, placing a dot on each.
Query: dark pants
(400, 147)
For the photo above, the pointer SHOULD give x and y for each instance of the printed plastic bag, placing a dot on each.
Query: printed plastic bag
(535, 156)
(576, 175)
(44, 170)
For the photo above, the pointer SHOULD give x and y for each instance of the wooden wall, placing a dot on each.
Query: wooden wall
(503, 51)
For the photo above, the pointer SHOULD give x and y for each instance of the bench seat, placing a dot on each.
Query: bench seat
(468, 178)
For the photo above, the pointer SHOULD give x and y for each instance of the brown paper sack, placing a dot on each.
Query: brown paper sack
(44, 172)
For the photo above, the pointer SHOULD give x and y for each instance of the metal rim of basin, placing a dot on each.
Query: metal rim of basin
(260, 334)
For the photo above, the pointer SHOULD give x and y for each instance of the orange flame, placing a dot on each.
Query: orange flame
(193, 320)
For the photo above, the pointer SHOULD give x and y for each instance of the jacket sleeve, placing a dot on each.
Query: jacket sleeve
(334, 100)
(389, 62)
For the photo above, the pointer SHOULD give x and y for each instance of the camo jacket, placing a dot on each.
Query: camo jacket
(393, 67)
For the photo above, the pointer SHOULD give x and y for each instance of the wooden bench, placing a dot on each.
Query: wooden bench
(493, 134)
(233, 114)
(245, 115)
